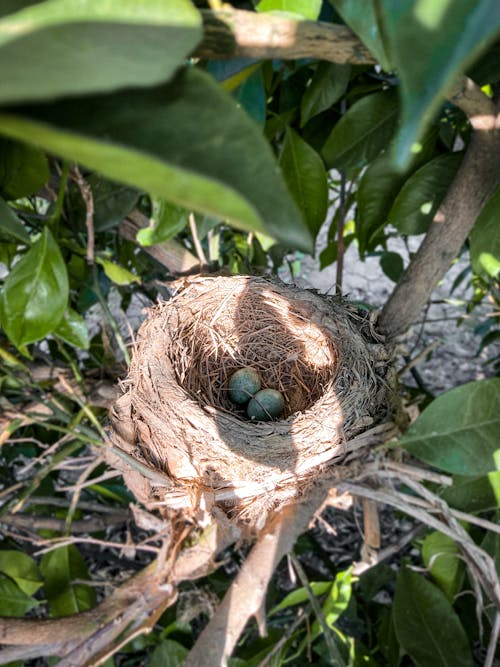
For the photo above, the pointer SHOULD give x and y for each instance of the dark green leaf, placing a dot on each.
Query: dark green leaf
(305, 176)
(328, 85)
(363, 17)
(23, 169)
(423, 192)
(168, 653)
(60, 568)
(251, 94)
(485, 240)
(430, 44)
(458, 431)
(208, 157)
(474, 495)
(11, 228)
(22, 569)
(392, 265)
(13, 601)
(166, 221)
(308, 9)
(73, 330)
(363, 131)
(426, 625)
(112, 201)
(441, 557)
(35, 294)
(63, 47)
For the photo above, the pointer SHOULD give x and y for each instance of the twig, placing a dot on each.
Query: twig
(88, 199)
(390, 551)
(301, 617)
(493, 644)
(57, 542)
(24, 521)
(340, 224)
(418, 358)
(196, 240)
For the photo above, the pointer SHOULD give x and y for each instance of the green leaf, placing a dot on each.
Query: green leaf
(166, 221)
(22, 569)
(423, 192)
(485, 240)
(116, 273)
(338, 598)
(73, 330)
(426, 625)
(10, 225)
(23, 169)
(363, 131)
(35, 293)
(458, 431)
(431, 42)
(308, 9)
(441, 557)
(362, 16)
(112, 201)
(392, 265)
(60, 568)
(13, 601)
(474, 495)
(210, 157)
(70, 47)
(327, 86)
(168, 653)
(251, 94)
(299, 595)
(305, 176)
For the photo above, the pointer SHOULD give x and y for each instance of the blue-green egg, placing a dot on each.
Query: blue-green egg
(267, 404)
(243, 385)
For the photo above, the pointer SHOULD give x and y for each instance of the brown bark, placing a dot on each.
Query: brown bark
(232, 33)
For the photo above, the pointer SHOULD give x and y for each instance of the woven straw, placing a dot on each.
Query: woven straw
(175, 416)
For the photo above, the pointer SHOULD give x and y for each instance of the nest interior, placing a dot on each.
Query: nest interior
(175, 414)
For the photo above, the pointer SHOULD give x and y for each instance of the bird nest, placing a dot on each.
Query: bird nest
(193, 447)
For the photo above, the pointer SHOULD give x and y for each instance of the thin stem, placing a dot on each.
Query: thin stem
(56, 215)
(109, 317)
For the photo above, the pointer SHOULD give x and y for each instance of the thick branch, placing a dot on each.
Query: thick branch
(476, 180)
(232, 33)
(247, 593)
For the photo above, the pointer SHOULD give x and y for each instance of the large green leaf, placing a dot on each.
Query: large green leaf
(441, 556)
(60, 47)
(431, 42)
(35, 293)
(186, 141)
(14, 601)
(11, 228)
(426, 625)
(475, 494)
(22, 569)
(60, 568)
(458, 431)
(363, 17)
(305, 176)
(23, 169)
(423, 192)
(485, 240)
(363, 131)
(327, 86)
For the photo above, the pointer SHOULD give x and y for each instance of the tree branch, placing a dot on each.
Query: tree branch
(476, 180)
(233, 33)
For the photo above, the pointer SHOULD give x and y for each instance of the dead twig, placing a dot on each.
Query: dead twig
(88, 199)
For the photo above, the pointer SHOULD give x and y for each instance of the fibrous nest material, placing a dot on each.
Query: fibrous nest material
(175, 416)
